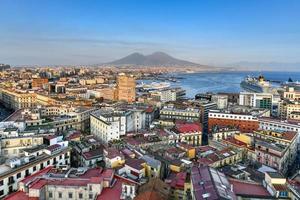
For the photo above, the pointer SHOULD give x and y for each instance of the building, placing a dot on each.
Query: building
(36, 159)
(208, 183)
(287, 108)
(259, 100)
(74, 183)
(277, 149)
(220, 100)
(172, 113)
(126, 88)
(39, 82)
(14, 146)
(212, 157)
(276, 184)
(266, 123)
(87, 152)
(189, 132)
(205, 107)
(17, 99)
(108, 124)
(244, 122)
(180, 186)
(222, 133)
(291, 95)
(167, 95)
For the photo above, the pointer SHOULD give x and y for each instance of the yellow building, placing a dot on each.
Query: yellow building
(179, 186)
(17, 99)
(286, 109)
(11, 147)
(126, 88)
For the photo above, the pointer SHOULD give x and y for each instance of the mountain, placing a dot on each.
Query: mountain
(155, 59)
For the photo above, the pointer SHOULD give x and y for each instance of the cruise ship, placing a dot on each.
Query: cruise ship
(154, 86)
(291, 83)
(254, 84)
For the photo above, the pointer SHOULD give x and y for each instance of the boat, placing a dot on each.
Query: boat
(293, 84)
(154, 85)
(255, 84)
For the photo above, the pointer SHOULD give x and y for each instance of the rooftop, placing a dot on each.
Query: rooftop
(247, 189)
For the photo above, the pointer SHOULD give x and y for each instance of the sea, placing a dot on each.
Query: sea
(203, 82)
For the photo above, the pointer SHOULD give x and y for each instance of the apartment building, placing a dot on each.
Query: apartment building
(170, 113)
(259, 100)
(36, 159)
(244, 122)
(14, 146)
(220, 100)
(277, 149)
(38, 82)
(291, 94)
(266, 123)
(108, 124)
(208, 183)
(17, 99)
(74, 183)
(190, 133)
(287, 108)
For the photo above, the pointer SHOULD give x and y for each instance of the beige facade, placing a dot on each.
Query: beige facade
(17, 100)
(11, 147)
(286, 109)
(126, 88)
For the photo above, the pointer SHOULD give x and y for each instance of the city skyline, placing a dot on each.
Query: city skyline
(206, 32)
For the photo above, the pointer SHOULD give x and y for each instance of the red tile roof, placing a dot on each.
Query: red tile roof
(290, 135)
(135, 163)
(95, 153)
(149, 109)
(40, 173)
(49, 137)
(17, 196)
(188, 127)
(243, 188)
(74, 135)
(114, 192)
(53, 147)
(178, 181)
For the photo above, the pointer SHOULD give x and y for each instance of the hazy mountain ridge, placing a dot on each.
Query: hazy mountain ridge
(154, 59)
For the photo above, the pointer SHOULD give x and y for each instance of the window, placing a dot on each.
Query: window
(1, 192)
(90, 196)
(59, 195)
(1, 182)
(70, 195)
(19, 175)
(80, 196)
(50, 195)
(34, 168)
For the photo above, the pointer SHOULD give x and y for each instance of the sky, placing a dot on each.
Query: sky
(216, 32)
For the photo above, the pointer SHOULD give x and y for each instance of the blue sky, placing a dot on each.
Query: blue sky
(90, 31)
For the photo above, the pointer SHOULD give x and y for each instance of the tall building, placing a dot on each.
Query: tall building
(39, 82)
(126, 88)
(108, 124)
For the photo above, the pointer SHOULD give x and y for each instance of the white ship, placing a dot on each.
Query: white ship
(154, 85)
